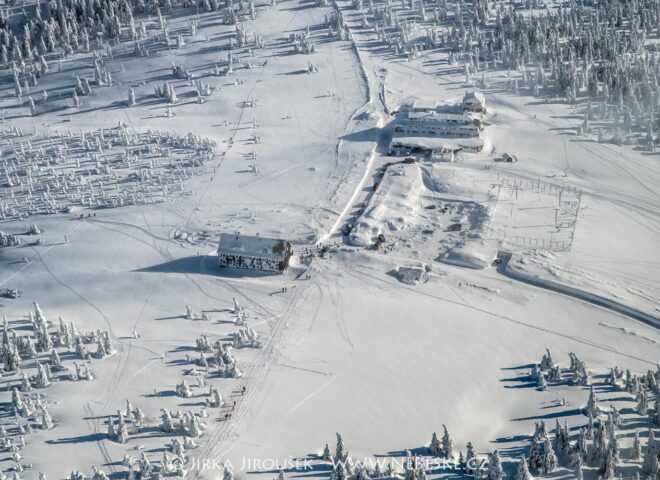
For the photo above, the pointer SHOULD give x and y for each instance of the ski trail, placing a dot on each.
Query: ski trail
(360, 274)
(576, 293)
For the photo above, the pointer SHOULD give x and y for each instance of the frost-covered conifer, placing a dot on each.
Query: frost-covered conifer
(31, 351)
(100, 348)
(26, 386)
(216, 399)
(195, 429)
(122, 432)
(46, 422)
(549, 458)
(470, 459)
(167, 422)
(227, 474)
(340, 452)
(435, 448)
(183, 390)
(650, 465)
(636, 450)
(592, 407)
(99, 474)
(523, 472)
(326, 456)
(580, 449)
(495, 471)
(609, 468)
(41, 380)
(642, 403)
(447, 444)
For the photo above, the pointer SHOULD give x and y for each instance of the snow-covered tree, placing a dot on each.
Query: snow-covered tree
(495, 471)
(650, 465)
(447, 444)
(592, 407)
(636, 450)
(523, 472)
(435, 448)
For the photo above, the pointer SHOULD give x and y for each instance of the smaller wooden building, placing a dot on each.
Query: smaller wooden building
(474, 102)
(254, 252)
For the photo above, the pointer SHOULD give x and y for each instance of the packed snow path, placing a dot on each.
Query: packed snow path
(575, 293)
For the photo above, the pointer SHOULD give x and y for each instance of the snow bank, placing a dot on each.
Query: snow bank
(412, 275)
(473, 253)
(393, 205)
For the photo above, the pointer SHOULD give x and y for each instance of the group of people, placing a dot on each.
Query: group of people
(227, 415)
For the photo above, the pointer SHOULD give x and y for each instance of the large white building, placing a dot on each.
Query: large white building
(433, 123)
(254, 252)
(437, 131)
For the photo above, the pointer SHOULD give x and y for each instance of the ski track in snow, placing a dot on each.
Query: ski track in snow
(628, 332)
(356, 272)
(221, 437)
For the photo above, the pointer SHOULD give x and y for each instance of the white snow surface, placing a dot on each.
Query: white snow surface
(347, 346)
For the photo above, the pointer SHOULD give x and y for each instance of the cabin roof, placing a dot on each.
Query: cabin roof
(252, 246)
(474, 95)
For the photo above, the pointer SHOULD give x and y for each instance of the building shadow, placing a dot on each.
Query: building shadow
(203, 265)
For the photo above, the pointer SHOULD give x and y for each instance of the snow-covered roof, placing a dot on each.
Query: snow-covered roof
(439, 117)
(253, 246)
(422, 105)
(435, 143)
(474, 97)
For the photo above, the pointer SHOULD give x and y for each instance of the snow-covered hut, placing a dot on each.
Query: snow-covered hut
(474, 102)
(254, 252)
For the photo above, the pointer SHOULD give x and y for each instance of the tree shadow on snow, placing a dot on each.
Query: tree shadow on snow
(515, 438)
(92, 437)
(416, 452)
(524, 381)
(566, 413)
(529, 366)
(160, 394)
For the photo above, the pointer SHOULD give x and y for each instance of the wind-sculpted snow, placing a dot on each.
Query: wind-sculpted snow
(136, 133)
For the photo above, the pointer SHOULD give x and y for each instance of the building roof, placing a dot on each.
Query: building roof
(252, 246)
(474, 95)
(436, 143)
(439, 117)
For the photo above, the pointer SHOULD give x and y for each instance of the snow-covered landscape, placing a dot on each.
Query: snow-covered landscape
(330, 239)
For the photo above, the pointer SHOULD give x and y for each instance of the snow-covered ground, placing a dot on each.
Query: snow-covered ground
(294, 146)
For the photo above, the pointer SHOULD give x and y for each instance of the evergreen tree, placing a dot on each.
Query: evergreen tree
(470, 459)
(609, 469)
(326, 456)
(536, 455)
(636, 450)
(523, 472)
(592, 407)
(650, 465)
(447, 444)
(495, 471)
(41, 380)
(549, 459)
(435, 447)
(340, 453)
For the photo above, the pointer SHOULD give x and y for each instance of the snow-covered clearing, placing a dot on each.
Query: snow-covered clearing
(112, 203)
